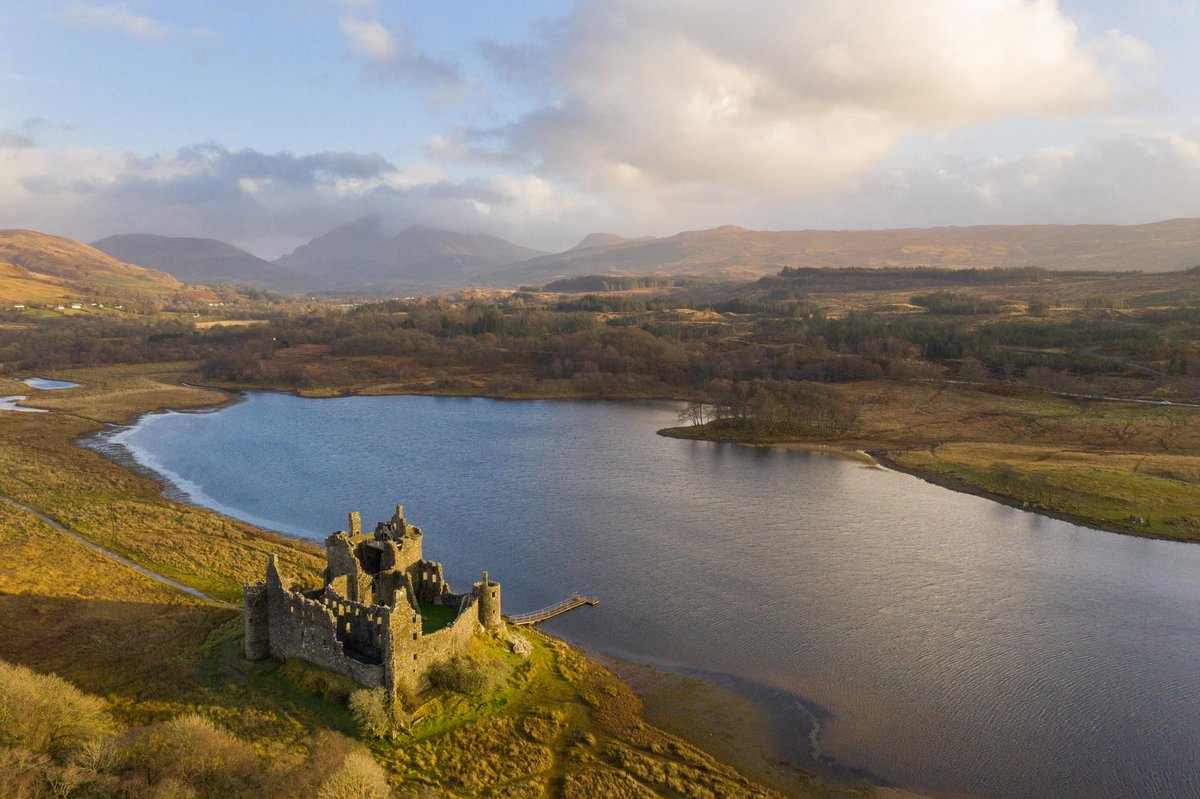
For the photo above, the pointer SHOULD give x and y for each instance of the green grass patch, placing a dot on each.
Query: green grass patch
(435, 617)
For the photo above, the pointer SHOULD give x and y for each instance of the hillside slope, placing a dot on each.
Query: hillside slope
(192, 260)
(38, 267)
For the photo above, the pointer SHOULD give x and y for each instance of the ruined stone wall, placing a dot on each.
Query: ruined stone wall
(429, 580)
(308, 629)
(342, 573)
(359, 627)
(409, 551)
(413, 654)
(402, 660)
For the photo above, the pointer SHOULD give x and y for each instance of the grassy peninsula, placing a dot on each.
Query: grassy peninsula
(1126, 467)
(158, 700)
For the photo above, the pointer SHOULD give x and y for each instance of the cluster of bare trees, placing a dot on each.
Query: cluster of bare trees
(766, 408)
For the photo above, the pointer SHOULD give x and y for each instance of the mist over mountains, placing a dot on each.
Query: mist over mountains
(362, 258)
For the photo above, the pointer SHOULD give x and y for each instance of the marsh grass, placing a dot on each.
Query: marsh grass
(1146, 494)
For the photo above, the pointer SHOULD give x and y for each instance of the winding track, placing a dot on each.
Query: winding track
(187, 589)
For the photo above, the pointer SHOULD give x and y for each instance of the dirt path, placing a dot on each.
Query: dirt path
(118, 558)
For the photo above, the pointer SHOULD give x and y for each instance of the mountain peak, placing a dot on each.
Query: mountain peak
(358, 257)
(599, 240)
(607, 240)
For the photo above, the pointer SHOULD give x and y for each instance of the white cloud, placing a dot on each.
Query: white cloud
(266, 202)
(112, 17)
(370, 39)
(782, 96)
(661, 115)
(271, 202)
(391, 55)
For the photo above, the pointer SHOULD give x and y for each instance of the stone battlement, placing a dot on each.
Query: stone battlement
(365, 620)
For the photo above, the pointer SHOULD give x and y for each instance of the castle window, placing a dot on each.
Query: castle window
(414, 655)
(415, 636)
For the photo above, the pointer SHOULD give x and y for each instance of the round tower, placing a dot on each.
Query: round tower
(487, 594)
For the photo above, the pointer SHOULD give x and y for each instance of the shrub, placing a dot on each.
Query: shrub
(359, 777)
(473, 676)
(192, 750)
(462, 674)
(46, 714)
(376, 715)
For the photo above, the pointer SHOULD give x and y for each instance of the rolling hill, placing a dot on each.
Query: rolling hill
(736, 252)
(192, 260)
(37, 267)
(359, 257)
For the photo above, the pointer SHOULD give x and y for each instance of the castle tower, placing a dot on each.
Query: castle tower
(487, 593)
(355, 523)
(256, 621)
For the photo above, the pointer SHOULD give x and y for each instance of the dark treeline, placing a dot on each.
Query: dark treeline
(951, 302)
(601, 283)
(619, 344)
(883, 279)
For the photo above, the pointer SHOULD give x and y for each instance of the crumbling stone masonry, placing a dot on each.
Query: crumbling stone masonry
(365, 621)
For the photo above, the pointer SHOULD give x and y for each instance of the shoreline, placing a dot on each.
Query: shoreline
(864, 452)
(885, 461)
(778, 740)
(880, 458)
(658, 692)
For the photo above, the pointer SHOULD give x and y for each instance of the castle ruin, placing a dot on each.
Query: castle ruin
(368, 620)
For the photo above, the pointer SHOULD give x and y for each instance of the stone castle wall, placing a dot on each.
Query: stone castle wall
(364, 622)
(414, 656)
(308, 628)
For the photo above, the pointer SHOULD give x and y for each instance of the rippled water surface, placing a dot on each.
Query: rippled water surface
(946, 642)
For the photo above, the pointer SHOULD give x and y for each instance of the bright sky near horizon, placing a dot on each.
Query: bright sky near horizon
(267, 123)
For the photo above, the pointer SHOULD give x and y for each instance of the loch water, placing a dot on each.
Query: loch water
(943, 642)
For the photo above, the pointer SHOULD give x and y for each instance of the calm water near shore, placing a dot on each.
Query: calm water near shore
(944, 642)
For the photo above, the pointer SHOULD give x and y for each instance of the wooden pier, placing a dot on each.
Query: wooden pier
(538, 616)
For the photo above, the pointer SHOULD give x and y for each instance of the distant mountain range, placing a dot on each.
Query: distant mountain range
(37, 267)
(359, 258)
(739, 253)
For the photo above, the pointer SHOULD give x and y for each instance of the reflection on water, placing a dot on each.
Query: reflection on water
(946, 642)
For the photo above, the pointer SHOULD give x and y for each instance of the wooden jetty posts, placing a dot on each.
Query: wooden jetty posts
(538, 616)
